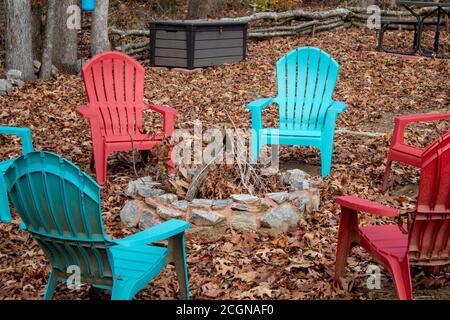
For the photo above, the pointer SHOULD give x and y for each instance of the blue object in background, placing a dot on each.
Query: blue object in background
(60, 206)
(307, 112)
(88, 5)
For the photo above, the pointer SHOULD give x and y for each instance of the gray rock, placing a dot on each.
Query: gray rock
(192, 171)
(148, 220)
(145, 187)
(201, 203)
(281, 218)
(295, 175)
(167, 198)
(305, 184)
(129, 212)
(17, 83)
(244, 198)
(37, 66)
(221, 204)
(181, 205)
(278, 197)
(239, 207)
(244, 221)
(301, 205)
(14, 74)
(168, 214)
(303, 194)
(206, 218)
(5, 87)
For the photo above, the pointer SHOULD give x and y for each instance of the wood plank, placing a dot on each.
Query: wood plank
(171, 62)
(217, 35)
(215, 61)
(216, 44)
(170, 53)
(221, 52)
(170, 44)
(171, 35)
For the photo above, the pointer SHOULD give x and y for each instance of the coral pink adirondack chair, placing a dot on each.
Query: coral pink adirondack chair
(399, 151)
(114, 84)
(428, 240)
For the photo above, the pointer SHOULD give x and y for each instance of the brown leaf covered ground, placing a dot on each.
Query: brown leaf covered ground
(248, 266)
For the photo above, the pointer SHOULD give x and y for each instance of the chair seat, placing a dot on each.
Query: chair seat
(291, 132)
(137, 262)
(135, 138)
(386, 239)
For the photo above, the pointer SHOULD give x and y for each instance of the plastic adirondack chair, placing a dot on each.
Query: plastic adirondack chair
(428, 240)
(27, 146)
(114, 83)
(306, 81)
(399, 151)
(61, 208)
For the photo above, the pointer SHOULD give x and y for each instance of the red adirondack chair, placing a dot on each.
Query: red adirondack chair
(114, 83)
(428, 240)
(399, 151)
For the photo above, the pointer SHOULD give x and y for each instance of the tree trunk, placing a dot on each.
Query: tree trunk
(47, 50)
(202, 9)
(19, 47)
(167, 6)
(65, 39)
(99, 28)
(36, 29)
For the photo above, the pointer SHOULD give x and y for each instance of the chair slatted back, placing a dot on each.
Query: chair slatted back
(114, 83)
(429, 241)
(60, 206)
(306, 81)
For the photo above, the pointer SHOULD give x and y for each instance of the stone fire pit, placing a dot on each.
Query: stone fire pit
(275, 213)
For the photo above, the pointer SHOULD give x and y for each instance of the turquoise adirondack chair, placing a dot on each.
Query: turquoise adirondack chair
(27, 146)
(60, 206)
(306, 81)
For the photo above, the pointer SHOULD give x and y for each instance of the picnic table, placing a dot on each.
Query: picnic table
(440, 12)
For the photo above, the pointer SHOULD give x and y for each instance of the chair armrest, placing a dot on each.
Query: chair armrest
(259, 105)
(86, 112)
(166, 110)
(338, 107)
(363, 205)
(24, 134)
(157, 233)
(168, 114)
(401, 122)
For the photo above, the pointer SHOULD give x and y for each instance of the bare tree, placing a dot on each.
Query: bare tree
(36, 28)
(47, 51)
(65, 39)
(167, 6)
(201, 9)
(99, 28)
(19, 48)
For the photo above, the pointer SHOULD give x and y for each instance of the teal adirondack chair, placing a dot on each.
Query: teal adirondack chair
(60, 206)
(27, 146)
(306, 81)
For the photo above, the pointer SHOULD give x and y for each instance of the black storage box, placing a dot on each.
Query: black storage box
(195, 43)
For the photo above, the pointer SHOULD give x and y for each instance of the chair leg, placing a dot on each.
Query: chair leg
(347, 225)
(101, 160)
(386, 175)
(255, 147)
(177, 252)
(401, 275)
(51, 286)
(121, 291)
(326, 154)
(5, 214)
